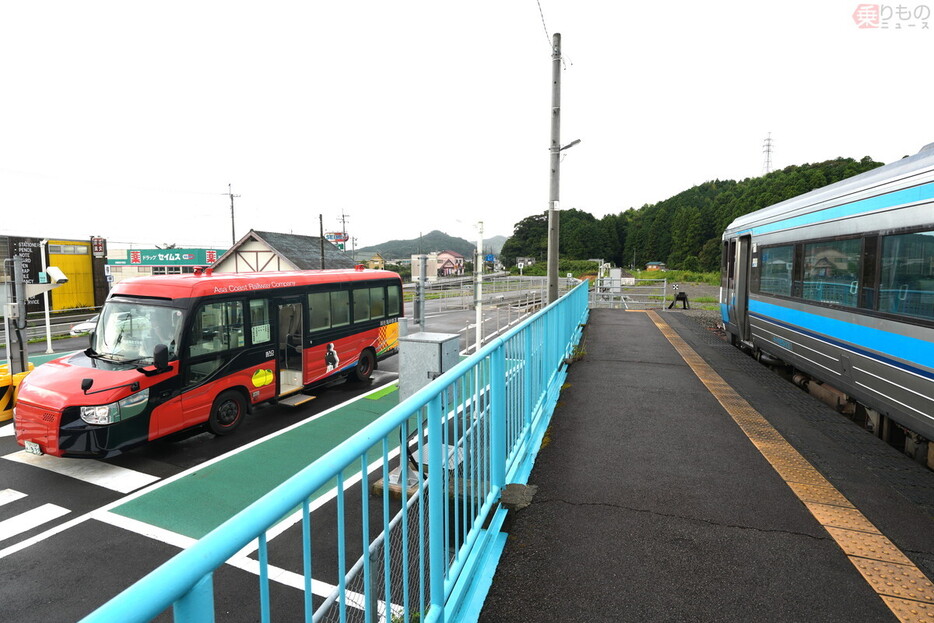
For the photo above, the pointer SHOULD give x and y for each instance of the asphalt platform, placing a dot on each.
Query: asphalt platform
(654, 503)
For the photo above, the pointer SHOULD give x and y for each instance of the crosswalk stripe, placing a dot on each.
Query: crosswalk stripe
(7, 431)
(9, 495)
(30, 519)
(112, 477)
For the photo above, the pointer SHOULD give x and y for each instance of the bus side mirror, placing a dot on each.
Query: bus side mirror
(160, 357)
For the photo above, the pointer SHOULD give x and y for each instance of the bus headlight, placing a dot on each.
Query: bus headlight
(116, 411)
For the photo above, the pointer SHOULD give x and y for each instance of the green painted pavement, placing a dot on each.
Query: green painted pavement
(199, 502)
(383, 392)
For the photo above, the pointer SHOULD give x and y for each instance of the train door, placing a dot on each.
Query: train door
(737, 252)
(291, 340)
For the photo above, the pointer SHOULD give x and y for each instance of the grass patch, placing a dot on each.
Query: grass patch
(687, 276)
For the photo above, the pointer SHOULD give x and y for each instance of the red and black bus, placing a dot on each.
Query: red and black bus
(171, 353)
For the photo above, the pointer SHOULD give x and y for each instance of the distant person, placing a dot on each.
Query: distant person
(331, 360)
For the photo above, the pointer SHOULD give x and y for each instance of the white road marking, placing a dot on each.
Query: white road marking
(12, 549)
(296, 580)
(111, 477)
(144, 529)
(9, 495)
(7, 430)
(30, 519)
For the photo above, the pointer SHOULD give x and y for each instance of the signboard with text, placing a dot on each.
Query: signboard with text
(168, 257)
(30, 251)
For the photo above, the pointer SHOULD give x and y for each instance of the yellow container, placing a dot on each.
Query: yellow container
(9, 388)
(6, 396)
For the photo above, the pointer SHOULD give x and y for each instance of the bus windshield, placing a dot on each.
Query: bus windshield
(130, 331)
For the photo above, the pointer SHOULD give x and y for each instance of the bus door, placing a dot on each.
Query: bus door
(291, 336)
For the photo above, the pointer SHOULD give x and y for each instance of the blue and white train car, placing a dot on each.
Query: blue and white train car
(839, 283)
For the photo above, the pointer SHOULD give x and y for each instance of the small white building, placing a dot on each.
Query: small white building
(263, 251)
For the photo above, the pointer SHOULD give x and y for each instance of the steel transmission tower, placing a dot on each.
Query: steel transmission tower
(767, 150)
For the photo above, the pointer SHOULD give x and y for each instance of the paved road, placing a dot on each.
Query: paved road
(64, 552)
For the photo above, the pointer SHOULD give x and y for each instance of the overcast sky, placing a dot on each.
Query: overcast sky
(128, 119)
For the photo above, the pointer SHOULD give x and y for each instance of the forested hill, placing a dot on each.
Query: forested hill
(683, 231)
(431, 242)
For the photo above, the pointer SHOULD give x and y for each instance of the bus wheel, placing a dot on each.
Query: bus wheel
(227, 412)
(364, 368)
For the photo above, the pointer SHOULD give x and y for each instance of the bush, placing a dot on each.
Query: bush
(575, 267)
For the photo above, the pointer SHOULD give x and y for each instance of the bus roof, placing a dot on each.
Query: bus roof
(209, 284)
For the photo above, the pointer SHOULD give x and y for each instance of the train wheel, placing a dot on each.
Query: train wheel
(364, 368)
(227, 412)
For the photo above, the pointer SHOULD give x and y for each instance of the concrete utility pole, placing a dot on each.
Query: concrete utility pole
(321, 230)
(554, 218)
(233, 235)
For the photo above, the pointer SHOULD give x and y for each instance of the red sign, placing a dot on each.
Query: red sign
(136, 257)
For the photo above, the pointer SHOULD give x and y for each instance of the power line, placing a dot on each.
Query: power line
(542, 13)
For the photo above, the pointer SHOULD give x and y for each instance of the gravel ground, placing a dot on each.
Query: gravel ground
(709, 318)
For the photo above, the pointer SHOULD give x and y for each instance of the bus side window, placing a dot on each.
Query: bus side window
(260, 326)
(340, 308)
(392, 301)
(319, 311)
(377, 303)
(217, 327)
(361, 304)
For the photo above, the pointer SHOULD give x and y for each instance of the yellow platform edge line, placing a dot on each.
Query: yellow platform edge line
(904, 589)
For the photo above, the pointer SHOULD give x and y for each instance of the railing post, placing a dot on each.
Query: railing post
(197, 605)
(527, 376)
(498, 417)
(436, 508)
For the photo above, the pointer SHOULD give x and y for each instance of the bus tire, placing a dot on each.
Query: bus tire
(227, 412)
(365, 365)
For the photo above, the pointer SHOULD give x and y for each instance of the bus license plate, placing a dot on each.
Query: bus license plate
(33, 448)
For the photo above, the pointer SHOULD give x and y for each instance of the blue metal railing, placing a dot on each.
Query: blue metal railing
(408, 556)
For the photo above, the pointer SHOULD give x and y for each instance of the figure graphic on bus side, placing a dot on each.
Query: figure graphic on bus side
(331, 359)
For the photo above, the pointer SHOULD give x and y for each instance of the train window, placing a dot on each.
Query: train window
(775, 269)
(907, 274)
(724, 266)
(831, 271)
(731, 273)
(867, 297)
